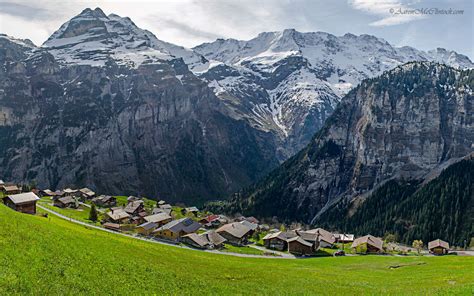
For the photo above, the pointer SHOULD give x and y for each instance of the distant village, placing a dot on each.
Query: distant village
(161, 221)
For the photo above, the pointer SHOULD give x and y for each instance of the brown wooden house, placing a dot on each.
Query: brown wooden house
(11, 189)
(66, 202)
(174, 230)
(300, 247)
(278, 240)
(371, 243)
(23, 202)
(235, 233)
(438, 247)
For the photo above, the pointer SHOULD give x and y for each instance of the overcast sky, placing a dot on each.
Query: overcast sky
(191, 22)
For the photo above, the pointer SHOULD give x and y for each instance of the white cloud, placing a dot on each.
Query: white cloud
(392, 12)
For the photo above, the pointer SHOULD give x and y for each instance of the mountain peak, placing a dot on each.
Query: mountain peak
(97, 12)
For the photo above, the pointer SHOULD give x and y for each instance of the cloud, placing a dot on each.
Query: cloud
(391, 11)
(24, 11)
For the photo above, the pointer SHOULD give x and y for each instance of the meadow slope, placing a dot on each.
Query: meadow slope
(50, 256)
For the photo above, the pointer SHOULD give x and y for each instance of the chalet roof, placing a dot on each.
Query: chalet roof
(283, 235)
(133, 206)
(252, 219)
(308, 236)
(369, 240)
(11, 188)
(23, 198)
(213, 237)
(300, 241)
(184, 224)
(324, 235)
(157, 217)
(157, 211)
(118, 214)
(236, 229)
(87, 191)
(1, 182)
(250, 225)
(438, 243)
(148, 225)
(67, 200)
(197, 239)
(49, 192)
(161, 202)
(69, 190)
(191, 210)
(211, 218)
(166, 206)
(111, 225)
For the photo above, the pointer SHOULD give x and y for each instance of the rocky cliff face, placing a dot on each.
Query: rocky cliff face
(289, 82)
(402, 124)
(153, 129)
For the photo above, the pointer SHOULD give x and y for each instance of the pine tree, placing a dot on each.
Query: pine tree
(93, 213)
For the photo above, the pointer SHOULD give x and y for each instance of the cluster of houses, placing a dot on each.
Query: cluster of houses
(206, 232)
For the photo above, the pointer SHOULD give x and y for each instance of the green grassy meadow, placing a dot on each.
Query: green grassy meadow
(51, 256)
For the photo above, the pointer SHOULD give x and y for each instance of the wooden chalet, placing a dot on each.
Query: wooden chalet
(190, 210)
(105, 201)
(11, 189)
(112, 226)
(195, 240)
(159, 218)
(146, 228)
(69, 192)
(278, 240)
(118, 216)
(438, 247)
(300, 247)
(66, 202)
(86, 193)
(22, 202)
(344, 238)
(133, 208)
(371, 243)
(174, 230)
(235, 233)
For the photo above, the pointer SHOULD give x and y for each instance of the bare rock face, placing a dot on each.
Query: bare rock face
(155, 129)
(402, 124)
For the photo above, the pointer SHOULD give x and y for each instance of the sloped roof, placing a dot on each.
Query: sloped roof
(283, 235)
(184, 224)
(369, 240)
(438, 243)
(11, 188)
(148, 225)
(69, 190)
(157, 217)
(133, 206)
(344, 237)
(236, 229)
(118, 214)
(199, 240)
(23, 198)
(299, 240)
(191, 209)
(250, 225)
(308, 236)
(213, 237)
(67, 200)
(87, 191)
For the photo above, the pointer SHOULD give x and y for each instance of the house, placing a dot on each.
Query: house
(372, 243)
(278, 240)
(11, 190)
(161, 202)
(47, 192)
(139, 218)
(69, 192)
(66, 202)
(132, 198)
(310, 237)
(174, 230)
(210, 221)
(206, 240)
(216, 240)
(195, 240)
(146, 228)
(438, 247)
(105, 201)
(22, 202)
(118, 216)
(192, 210)
(344, 238)
(86, 193)
(299, 246)
(325, 238)
(135, 207)
(250, 225)
(166, 208)
(159, 219)
(112, 226)
(235, 233)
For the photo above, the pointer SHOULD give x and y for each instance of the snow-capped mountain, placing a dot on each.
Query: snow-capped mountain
(289, 82)
(92, 38)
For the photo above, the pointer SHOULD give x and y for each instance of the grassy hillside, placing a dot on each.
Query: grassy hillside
(52, 256)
